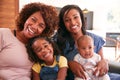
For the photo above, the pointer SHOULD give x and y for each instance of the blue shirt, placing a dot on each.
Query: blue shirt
(70, 52)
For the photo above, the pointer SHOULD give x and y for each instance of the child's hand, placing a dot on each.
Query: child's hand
(96, 72)
(102, 67)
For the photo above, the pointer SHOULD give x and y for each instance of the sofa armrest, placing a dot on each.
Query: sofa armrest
(114, 67)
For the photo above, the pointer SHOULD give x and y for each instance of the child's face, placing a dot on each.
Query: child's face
(86, 48)
(43, 50)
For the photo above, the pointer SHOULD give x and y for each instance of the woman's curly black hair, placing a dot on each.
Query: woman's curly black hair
(49, 14)
(32, 55)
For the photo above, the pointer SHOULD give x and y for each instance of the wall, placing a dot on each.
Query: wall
(8, 13)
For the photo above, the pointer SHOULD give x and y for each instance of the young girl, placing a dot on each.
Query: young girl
(88, 58)
(49, 65)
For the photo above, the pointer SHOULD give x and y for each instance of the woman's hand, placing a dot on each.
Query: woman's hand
(102, 67)
(77, 69)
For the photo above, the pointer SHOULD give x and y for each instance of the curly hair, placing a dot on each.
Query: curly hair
(49, 14)
(32, 55)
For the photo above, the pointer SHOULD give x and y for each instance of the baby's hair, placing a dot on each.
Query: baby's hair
(32, 56)
(84, 37)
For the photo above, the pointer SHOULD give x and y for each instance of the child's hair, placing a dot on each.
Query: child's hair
(84, 37)
(32, 55)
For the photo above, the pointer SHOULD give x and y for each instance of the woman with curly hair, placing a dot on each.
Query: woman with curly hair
(35, 19)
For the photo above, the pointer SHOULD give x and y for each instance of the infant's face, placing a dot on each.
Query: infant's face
(86, 49)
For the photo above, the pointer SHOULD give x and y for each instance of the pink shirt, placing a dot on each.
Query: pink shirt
(14, 62)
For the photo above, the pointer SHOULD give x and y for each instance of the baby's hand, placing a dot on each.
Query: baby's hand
(97, 72)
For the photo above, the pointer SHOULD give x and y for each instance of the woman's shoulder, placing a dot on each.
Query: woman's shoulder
(4, 29)
(94, 36)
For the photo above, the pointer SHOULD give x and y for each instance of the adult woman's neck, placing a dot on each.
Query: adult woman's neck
(77, 35)
(21, 37)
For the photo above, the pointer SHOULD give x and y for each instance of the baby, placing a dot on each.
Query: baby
(88, 58)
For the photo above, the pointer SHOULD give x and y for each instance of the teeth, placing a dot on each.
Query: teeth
(31, 30)
(74, 26)
(46, 55)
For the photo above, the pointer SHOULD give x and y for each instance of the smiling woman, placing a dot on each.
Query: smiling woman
(34, 19)
(70, 16)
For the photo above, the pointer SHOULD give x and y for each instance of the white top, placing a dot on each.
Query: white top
(87, 63)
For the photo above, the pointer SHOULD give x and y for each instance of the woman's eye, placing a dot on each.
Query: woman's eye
(66, 20)
(37, 50)
(46, 46)
(42, 26)
(75, 17)
(33, 19)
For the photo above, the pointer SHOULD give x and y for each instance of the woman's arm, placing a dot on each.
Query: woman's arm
(62, 73)
(102, 66)
(77, 69)
(100, 52)
(35, 76)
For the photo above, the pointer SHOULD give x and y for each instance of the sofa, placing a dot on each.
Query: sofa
(114, 67)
